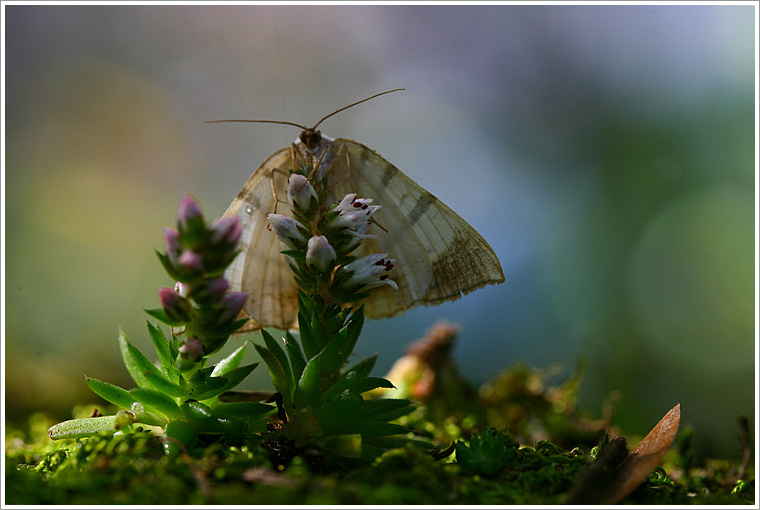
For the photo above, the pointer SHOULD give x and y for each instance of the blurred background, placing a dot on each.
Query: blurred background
(607, 153)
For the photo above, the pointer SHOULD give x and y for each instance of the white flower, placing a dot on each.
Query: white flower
(300, 191)
(320, 254)
(368, 272)
(287, 230)
(354, 213)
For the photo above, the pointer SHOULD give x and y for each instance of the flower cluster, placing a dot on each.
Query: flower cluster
(196, 256)
(321, 403)
(320, 239)
(177, 395)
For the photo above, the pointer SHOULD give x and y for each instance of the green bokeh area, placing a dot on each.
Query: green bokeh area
(607, 153)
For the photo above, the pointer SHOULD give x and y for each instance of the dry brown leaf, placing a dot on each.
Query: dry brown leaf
(645, 457)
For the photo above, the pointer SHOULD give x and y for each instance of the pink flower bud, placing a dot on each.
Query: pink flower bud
(320, 254)
(300, 191)
(189, 215)
(226, 230)
(368, 272)
(287, 230)
(190, 262)
(210, 291)
(191, 350)
(171, 244)
(232, 303)
(176, 307)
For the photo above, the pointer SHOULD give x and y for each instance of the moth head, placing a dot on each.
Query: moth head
(311, 138)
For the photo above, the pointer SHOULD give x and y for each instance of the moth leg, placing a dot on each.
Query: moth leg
(274, 188)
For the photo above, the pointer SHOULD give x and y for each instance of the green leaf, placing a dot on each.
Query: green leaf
(241, 410)
(384, 409)
(145, 373)
(230, 380)
(129, 362)
(307, 391)
(110, 392)
(372, 428)
(280, 380)
(83, 427)
(340, 346)
(336, 412)
(297, 359)
(159, 382)
(307, 339)
(163, 350)
(194, 410)
(158, 401)
(361, 369)
(207, 388)
(231, 362)
(160, 314)
(274, 347)
(357, 384)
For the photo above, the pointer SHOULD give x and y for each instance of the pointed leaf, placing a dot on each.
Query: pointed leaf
(241, 410)
(297, 359)
(157, 401)
(384, 409)
(110, 392)
(231, 362)
(307, 339)
(159, 382)
(280, 380)
(160, 314)
(210, 388)
(163, 350)
(307, 391)
(372, 428)
(129, 362)
(194, 410)
(358, 384)
(645, 457)
(335, 413)
(275, 348)
(361, 369)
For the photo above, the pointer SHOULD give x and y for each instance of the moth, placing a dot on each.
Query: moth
(439, 256)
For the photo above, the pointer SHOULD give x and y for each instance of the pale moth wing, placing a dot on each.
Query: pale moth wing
(438, 255)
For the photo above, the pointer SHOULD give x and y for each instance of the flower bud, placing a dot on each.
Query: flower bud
(301, 192)
(232, 303)
(190, 262)
(182, 289)
(226, 231)
(190, 217)
(191, 350)
(320, 254)
(208, 292)
(176, 307)
(171, 244)
(368, 272)
(288, 230)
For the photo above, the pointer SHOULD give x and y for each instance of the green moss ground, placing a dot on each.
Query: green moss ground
(133, 469)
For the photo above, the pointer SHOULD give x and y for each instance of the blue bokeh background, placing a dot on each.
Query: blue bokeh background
(607, 153)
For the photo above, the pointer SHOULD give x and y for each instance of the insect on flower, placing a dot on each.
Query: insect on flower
(439, 256)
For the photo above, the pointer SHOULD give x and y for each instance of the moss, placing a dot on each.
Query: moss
(504, 468)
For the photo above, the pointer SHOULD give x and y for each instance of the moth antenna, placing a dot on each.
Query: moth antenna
(259, 121)
(352, 104)
(299, 125)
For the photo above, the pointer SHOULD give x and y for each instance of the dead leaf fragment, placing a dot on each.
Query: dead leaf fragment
(645, 457)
